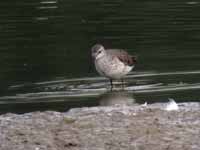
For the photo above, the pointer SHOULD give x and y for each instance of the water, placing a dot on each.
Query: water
(45, 48)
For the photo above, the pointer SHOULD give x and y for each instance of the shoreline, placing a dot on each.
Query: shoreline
(112, 127)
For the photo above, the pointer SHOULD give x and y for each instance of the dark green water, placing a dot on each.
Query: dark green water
(45, 48)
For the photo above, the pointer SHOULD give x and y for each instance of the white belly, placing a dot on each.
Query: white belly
(114, 68)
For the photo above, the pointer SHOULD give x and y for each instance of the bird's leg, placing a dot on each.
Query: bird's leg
(123, 85)
(111, 83)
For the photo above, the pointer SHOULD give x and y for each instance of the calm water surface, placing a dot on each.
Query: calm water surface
(45, 52)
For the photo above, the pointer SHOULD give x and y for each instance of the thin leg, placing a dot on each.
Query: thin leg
(111, 84)
(123, 84)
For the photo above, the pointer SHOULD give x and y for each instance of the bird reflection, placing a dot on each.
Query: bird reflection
(116, 98)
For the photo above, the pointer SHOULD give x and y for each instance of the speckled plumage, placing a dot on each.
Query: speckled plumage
(112, 63)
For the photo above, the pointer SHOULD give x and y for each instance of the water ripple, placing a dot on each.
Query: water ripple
(68, 89)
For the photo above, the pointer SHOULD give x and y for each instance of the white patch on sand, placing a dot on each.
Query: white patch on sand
(172, 105)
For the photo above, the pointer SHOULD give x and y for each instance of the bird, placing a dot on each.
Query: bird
(112, 63)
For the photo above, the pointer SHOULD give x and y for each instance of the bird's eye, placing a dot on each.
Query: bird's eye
(99, 52)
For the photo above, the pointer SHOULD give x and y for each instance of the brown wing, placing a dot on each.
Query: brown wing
(123, 56)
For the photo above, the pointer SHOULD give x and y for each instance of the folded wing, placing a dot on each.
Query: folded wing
(123, 56)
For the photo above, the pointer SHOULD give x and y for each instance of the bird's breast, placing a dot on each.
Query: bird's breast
(111, 67)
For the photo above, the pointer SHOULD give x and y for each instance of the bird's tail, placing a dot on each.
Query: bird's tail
(134, 59)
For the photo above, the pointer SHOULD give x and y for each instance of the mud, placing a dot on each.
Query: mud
(119, 127)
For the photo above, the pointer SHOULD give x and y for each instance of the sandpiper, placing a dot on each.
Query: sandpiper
(112, 63)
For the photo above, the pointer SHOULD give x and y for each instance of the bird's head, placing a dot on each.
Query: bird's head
(98, 51)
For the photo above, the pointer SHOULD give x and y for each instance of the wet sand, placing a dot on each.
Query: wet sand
(118, 127)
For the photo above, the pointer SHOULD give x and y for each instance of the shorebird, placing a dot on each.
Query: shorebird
(112, 63)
